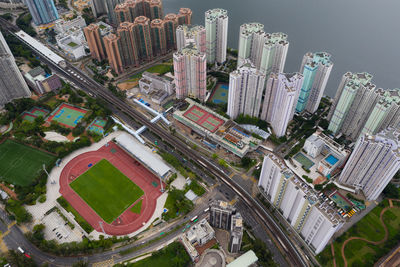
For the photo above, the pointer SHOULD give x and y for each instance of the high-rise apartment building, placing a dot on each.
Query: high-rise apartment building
(386, 113)
(220, 214)
(316, 68)
(95, 42)
(159, 39)
(98, 7)
(110, 6)
(373, 163)
(131, 9)
(217, 35)
(186, 34)
(42, 11)
(266, 51)
(171, 23)
(355, 98)
(127, 45)
(185, 16)
(190, 69)
(12, 84)
(236, 233)
(143, 38)
(280, 99)
(112, 47)
(310, 216)
(246, 86)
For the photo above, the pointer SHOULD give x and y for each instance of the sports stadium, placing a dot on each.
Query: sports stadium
(115, 188)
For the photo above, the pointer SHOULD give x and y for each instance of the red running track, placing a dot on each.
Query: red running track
(128, 221)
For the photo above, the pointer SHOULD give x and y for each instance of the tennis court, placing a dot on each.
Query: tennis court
(67, 115)
(203, 118)
(220, 94)
(33, 113)
(97, 125)
(303, 160)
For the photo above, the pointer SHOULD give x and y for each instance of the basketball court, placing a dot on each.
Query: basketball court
(67, 115)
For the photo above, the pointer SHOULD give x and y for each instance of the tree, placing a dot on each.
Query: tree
(246, 161)
(391, 191)
(18, 259)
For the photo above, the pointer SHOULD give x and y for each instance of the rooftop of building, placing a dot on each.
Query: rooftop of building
(212, 14)
(36, 71)
(250, 28)
(314, 59)
(189, 50)
(220, 204)
(244, 260)
(199, 231)
(389, 137)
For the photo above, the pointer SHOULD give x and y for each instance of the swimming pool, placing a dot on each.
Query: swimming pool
(331, 160)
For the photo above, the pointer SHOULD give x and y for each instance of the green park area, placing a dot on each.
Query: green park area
(174, 255)
(107, 190)
(20, 164)
(368, 240)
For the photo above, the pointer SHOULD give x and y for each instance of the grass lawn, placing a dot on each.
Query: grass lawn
(161, 69)
(107, 190)
(78, 218)
(20, 164)
(137, 207)
(174, 255)
(360, 252)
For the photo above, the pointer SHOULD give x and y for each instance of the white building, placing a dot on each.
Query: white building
(73, 43)
(62, 25)
(280, 99)
(329, 154)
(217, 34)
(266, 51)
(151, 82)
(246, 86)
(312, 217)
(186, 34)
(198, 235)
(190, 71)
(373, 163)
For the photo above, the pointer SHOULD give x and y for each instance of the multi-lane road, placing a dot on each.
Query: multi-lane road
(293, 255)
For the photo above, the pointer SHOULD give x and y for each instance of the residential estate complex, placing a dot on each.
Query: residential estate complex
(42, 11)
(311, 216)
(373, 163)
(280, 99)
(216, 21)
(316, 68)
(265, 50)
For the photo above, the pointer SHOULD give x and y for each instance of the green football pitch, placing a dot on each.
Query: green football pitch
(106, 190)
(20, 164)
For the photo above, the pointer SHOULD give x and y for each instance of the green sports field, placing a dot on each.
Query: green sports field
(20, 164)
(106, 190)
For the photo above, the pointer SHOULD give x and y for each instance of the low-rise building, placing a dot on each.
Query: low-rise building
(41, 82)
(329, 154)
(62, 26)
(215, 128)
(197, 235)
(73, 43)
(151, 82)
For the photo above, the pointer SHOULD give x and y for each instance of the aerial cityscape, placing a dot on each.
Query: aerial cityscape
(193, 134)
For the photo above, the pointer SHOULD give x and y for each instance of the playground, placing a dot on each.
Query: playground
(220, 94)
(33, 113)
(67, 115)
(203, 118)
(111, 190)
(97, 126)
(341, 201)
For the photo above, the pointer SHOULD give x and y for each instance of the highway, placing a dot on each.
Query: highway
(81, 80)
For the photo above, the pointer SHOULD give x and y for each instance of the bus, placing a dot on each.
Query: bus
(194, 218)
(207, 209)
